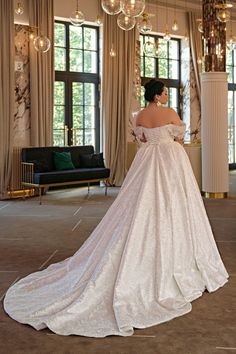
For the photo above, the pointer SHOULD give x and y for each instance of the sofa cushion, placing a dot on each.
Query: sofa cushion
(74, 175)
(92, 160)
(62, 161)
(40, 166)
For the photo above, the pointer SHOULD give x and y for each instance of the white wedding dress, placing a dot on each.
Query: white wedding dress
(150, 256)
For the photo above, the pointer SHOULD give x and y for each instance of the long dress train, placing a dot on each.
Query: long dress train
(149, 257)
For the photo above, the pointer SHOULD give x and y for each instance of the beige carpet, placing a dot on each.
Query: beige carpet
(33, 236)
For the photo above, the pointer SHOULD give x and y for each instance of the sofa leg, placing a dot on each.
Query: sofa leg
(40, 195)
(105, 189)
(88, 187)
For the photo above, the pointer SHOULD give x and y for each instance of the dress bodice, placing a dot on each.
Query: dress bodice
(162, 134)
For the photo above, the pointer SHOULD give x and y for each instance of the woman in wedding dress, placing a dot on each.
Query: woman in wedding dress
(150, 256)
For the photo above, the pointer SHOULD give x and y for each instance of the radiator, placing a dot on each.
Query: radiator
(15, 183)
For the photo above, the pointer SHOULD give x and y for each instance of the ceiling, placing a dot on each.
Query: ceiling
(189, 5)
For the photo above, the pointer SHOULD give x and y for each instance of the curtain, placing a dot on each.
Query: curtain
(117, 90)
(6, 93)
(196, 49)
(41, 15)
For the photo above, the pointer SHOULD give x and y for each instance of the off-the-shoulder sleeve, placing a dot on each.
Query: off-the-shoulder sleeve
(138, 131)
(178, 131)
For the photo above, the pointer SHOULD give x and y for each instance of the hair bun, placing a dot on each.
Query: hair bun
(150, 84)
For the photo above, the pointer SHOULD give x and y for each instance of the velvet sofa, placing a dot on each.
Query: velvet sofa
(43, 167)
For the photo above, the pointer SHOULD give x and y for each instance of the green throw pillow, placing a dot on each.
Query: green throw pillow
(62, 161)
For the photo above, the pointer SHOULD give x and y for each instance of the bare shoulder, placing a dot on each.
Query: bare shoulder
(173, 116)
(140, 117)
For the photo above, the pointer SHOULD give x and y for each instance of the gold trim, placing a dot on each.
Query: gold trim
(219, 195)
(21, 193)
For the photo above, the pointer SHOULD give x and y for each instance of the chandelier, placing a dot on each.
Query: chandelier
(223, 14)
(77, 17)
(19, 8)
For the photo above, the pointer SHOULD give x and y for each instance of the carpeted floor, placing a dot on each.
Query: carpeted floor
(34, 236)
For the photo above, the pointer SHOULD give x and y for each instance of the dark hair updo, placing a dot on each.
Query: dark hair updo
(152, 88)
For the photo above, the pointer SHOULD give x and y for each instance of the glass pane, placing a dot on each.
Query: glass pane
(142, 99)
(229, 57)
(229, 70)
(150, 67)
(89, 137)
(89, 94)
(230, 99)
(89, 117)
(174, 49)
(77, 93)
(59, 117)
(162, 48)
(78, 117)
(173, 69)
(230, 116)
(60, 59)
(162, 68)
(141, 38)
(76, 37)
(59, 35)
(90, 62)
(58, 137)
(79, 137)
(59, 93)
(173, 98)
(142, 66)
(76, 60)
(90, 38)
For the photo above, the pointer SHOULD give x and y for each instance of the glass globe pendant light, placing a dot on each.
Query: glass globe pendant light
(77, 18)
(126, 23)
(132, 8)
(144, 25)
(223, 15)
(149, 47)
(19, 8)
(42, 43)
(167, 36)
(111, 7)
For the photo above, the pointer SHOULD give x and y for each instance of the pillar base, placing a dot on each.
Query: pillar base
(210, 195)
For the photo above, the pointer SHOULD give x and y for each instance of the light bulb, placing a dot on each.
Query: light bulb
(42, 44)
(149, 48)
(175, 26)
(186, 36)
(167, 36)
(98, 20)
(19, 9)
(126, 23)
(111, 7)
(77, 18)
(145, 25)
(223, 15)
(199, 60)
(112, 51)
(132, 8)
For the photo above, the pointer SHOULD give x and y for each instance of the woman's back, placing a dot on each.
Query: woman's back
(153, 116)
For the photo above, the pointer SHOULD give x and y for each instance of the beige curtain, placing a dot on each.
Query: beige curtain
(196, 48)
(117, 90)
(6, 93)
(41, 15)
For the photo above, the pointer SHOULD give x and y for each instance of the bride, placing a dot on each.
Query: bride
(150, 256)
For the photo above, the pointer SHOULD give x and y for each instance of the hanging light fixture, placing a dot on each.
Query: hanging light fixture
(19, 8)
(98, 20)
(223, 14)
(112, 51)
(167, 33)
(200, 25)
(42, 44)
(32, 32)
(149, 47)
(132, 8)
(111, 7)
(144, 24)
(77, 17)
(126, 23)
(175, 26)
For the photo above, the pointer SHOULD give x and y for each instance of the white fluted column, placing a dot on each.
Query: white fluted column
(214, 113)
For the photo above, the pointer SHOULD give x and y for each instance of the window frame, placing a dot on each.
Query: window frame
(169, 83)
(232, 88)
(68, 77)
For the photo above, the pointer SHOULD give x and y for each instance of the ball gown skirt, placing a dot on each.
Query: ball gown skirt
(149, 257)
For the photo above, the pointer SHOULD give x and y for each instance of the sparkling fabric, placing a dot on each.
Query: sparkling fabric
(150, 256)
